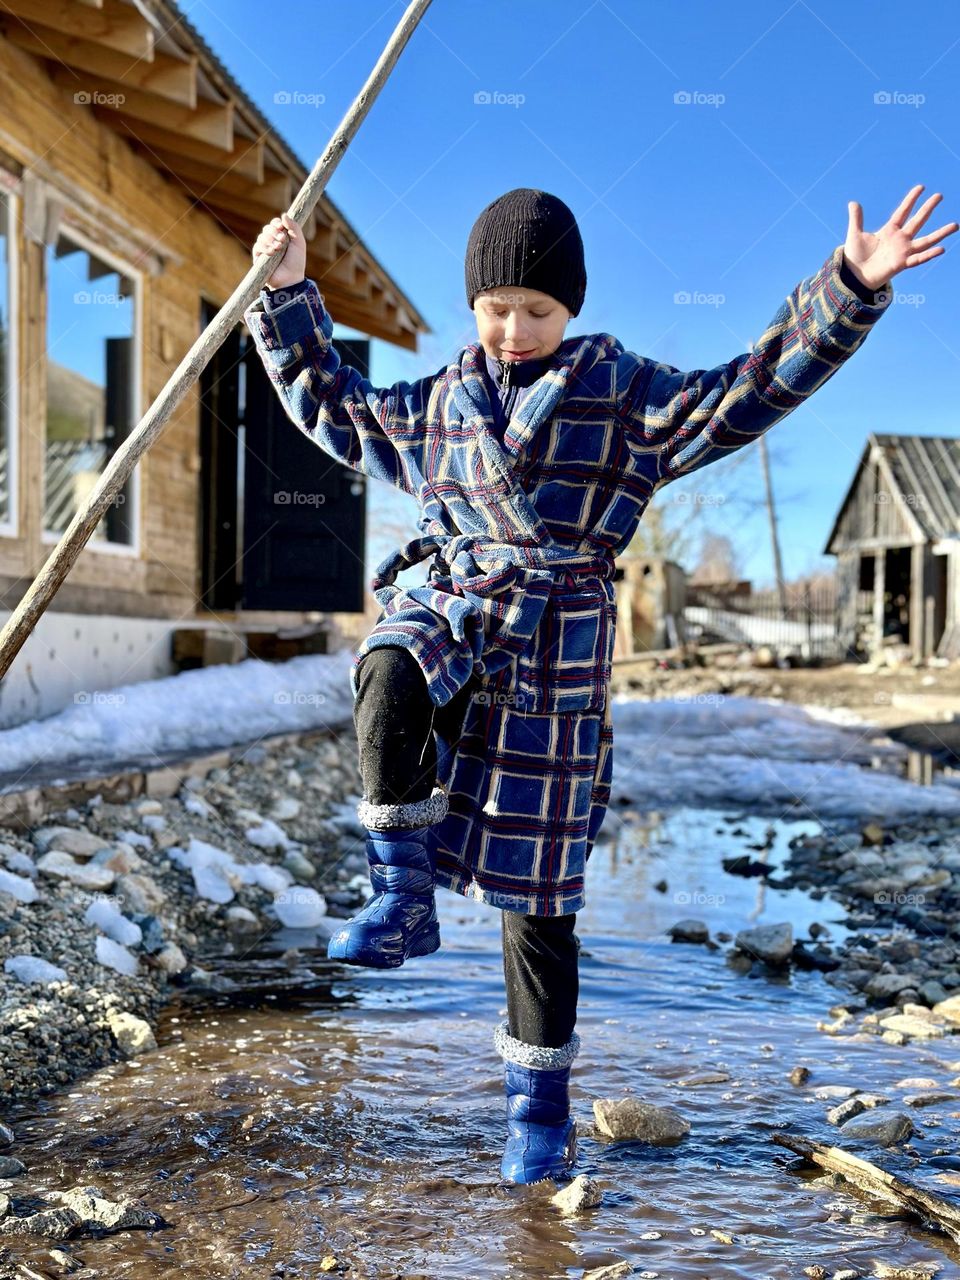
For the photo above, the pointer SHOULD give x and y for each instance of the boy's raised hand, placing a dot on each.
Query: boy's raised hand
(291, 268)
(876, 256)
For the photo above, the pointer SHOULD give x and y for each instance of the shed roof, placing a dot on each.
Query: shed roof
(154, 79)
(924, 471)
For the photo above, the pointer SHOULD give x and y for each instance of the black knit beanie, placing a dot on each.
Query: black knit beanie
(527, 238)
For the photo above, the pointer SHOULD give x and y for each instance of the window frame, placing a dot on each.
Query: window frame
(70, 231)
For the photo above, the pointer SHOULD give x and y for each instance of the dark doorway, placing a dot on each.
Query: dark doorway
(283, 524)
(896, 593)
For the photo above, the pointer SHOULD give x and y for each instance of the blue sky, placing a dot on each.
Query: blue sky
(738, 194)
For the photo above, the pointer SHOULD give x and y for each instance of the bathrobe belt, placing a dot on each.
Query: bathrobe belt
(508, 583)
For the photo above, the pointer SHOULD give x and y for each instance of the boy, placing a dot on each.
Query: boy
(481, 696)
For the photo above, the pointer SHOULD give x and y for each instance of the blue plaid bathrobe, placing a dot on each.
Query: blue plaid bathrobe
(523, 535)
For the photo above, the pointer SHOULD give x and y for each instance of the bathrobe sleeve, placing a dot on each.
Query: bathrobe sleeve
(376, 431)
(698, 417)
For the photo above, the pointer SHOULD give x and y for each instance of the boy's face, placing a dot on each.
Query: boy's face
(519, 324)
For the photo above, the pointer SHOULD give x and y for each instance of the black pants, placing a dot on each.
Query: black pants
(396, 719)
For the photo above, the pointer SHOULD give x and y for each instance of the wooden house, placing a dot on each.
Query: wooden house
(897, 542)
(135, 174)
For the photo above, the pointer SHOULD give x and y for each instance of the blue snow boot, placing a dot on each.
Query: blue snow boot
(542, 1135)
(400, 919)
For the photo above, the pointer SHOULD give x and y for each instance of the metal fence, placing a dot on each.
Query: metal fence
(804, 623)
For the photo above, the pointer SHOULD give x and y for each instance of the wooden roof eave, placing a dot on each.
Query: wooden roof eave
(181, 110)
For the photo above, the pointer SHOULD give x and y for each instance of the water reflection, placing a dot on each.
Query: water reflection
(362, 1121)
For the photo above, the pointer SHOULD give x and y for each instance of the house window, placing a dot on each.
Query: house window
(91, 384)
(7, 401)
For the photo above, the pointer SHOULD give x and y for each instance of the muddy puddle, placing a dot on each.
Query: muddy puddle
(361, 1120)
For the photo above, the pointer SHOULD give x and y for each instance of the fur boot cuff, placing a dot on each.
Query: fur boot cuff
(532, 1055)
(415, 813)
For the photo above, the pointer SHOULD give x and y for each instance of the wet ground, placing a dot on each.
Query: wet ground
(362, 1121)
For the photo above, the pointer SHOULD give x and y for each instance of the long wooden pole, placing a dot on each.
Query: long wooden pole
(150, 427)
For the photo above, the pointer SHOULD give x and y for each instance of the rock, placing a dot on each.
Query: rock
(20, 887)
(268, 836)
(170, 958)
(26, 968)
(108, 917)
(882, 1128)
(816, 1272)
(286, 808)
(772, 943)
(95, 1211)
(888, 984)
(917, 1082)
(211, 882)
(23, 864)
(932, 992)
(930, 1099)
(799, 1075)
(300, 907)
(6, 1135)
(689, 931)
(120, 859)
(616, 1271)
(62, 866)
(77, 841)
(845, 1111)
(132, 1034)
(827, 1091)
(10, 1167)
(704, 1077)
(55, 1224)
(872, 834)
(628, 1118)
(301, 868)
(918, 1271)
(949, 1008)
(582, 1193)
(113, 956)
(273, 879)
(140, 893)
(910, 1024)
(152, 932)
(242, 920)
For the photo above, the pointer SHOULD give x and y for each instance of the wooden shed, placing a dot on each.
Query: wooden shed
(897, 542)
(135, 174)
